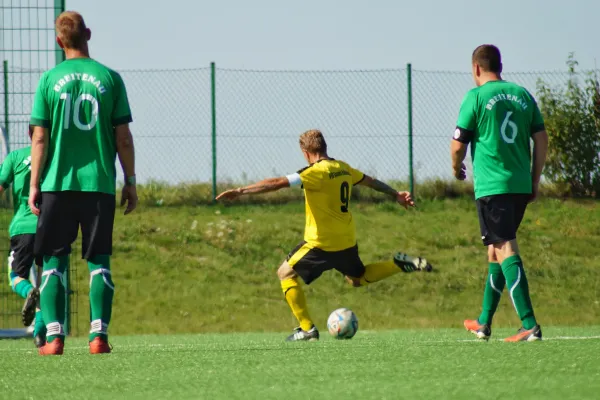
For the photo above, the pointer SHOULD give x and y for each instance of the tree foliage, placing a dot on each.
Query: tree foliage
(572, 117)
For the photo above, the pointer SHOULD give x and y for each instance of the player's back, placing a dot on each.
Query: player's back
(328, 189)
(85, 101)
(506, 117)
(16, 169)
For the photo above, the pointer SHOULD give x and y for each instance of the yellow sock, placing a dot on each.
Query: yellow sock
(295, 297)
(377, 271)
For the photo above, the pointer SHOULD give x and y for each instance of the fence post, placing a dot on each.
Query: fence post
(411, 178)
(5, 74)
(214, 129)
(59, 55)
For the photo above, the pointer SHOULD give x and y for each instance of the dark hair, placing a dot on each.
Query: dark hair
(487, 56)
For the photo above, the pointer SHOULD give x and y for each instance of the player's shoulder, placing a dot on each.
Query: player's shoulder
(471, 95)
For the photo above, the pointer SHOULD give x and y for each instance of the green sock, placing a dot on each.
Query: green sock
(52, 296)
(513, 271)
(102, 290)
(493, 291)
(23, 288)
(39, 326)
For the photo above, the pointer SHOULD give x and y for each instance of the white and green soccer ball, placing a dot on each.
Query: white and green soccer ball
(342, 323)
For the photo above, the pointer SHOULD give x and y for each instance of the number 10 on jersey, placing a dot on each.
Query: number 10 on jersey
(76, 114)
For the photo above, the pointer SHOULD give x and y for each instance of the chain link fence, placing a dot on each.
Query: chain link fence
(260, 114)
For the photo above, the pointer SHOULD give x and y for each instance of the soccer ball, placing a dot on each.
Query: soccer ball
(342, 323)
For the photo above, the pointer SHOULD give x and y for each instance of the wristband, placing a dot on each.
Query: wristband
(130, 180)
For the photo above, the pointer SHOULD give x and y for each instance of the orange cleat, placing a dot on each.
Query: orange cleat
(481, 331)
(99, 346)
(526, 335)
(53, 348)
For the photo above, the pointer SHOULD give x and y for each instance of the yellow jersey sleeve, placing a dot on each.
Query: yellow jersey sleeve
(357, 176)
(311, 178)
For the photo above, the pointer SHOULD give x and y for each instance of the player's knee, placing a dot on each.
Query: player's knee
(285, 272)
(492, 254)
(355, 282)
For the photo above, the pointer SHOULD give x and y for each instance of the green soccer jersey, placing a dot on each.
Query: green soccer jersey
(16, 169)
(498, 119)
(80, 101)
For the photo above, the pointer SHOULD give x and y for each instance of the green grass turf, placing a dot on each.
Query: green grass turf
(400, 364)
(213, 269)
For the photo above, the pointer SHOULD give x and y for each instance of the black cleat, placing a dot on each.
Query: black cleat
(410, 264)
(28, 310)
(39, 340)
(311, 335)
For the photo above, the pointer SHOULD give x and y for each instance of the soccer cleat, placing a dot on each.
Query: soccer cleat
(481, 331)
(410, 264)
(99, 346)
(28, 310)
(312, 335)
(39, 339)
(526, 335)
(53, 348)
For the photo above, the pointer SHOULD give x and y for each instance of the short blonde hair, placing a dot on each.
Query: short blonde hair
(313, 142)
(71, 30)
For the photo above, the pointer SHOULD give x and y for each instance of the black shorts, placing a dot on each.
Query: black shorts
(21, 257)
(310, 263)
(500, 216)
(61, 215)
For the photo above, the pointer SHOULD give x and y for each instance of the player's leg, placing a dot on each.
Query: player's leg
(39, 328)
(509, 211)
(57, 229)
(97, 214)
(495, 282)
(308, 264)
(378, 271)
(19, 272)
(494, 285)
(21, 260)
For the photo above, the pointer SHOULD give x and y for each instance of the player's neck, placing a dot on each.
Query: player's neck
(318, 157)
(77, 53)
(490, 77)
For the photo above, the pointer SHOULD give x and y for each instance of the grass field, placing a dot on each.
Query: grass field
(399, 364)
(212, 269)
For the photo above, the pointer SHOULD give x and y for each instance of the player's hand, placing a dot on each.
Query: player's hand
(535, 188)
(405, 199)
(461, 173)
(129, 196)
(34, 199)
(230, 194)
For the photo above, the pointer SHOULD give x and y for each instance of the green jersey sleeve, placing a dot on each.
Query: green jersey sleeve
(6, 172)
(121, 111)
(467, 118)
(40, 114)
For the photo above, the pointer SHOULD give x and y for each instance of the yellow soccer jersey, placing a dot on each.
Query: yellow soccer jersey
(327, 188)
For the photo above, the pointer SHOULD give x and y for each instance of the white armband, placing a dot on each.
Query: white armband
(294, 179)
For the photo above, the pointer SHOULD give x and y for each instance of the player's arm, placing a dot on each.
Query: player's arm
(404, 198)
(540, 147)
(463, 134)
(264, 186)
(540, 151)
(6, 173)
(458, 152)
(39, 153)
(41, 123)
(121, 117)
